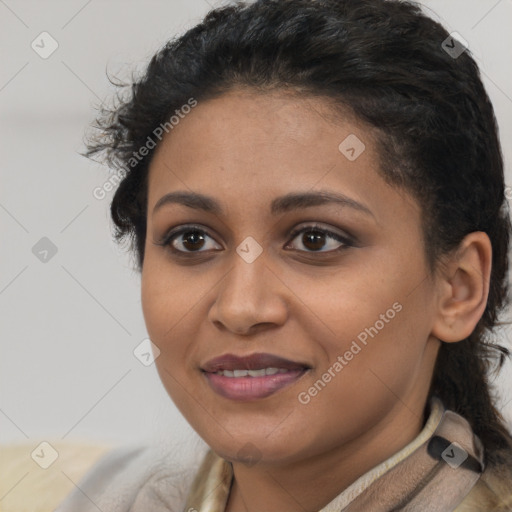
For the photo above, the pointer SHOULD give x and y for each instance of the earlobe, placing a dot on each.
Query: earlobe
(463, 288)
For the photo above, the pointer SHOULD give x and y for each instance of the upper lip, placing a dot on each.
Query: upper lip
(250, 362)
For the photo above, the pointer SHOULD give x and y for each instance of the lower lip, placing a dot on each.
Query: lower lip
(252, 388)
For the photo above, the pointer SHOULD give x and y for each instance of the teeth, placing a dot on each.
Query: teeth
(256, 373)
(251, 373)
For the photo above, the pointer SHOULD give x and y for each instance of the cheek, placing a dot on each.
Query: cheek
(378, 324)
(166, 295)
(162, 309)
(166, 301)
(391, 358)
(368, 366)
(155, 302)
(174, 307)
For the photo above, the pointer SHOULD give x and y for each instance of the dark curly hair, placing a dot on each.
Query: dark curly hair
(388, 64)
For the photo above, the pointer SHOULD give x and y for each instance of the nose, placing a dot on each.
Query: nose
(249, 298)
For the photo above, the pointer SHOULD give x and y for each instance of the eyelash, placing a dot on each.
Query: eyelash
(170, 236)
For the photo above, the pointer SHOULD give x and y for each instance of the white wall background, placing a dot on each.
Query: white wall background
(69, 326)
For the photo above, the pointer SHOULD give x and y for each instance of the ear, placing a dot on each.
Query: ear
(463, 288)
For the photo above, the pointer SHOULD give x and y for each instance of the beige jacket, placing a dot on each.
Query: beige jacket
(145, 478)
(417, 478)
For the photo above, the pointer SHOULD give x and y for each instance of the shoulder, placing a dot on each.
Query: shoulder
(132, 478)
(493, 491)
(119, 467)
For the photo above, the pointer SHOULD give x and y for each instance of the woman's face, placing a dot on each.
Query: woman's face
(344, 312)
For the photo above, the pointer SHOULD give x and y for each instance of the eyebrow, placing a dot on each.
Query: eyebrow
(283, 204)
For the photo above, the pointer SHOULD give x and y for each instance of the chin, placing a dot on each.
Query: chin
(252, 449)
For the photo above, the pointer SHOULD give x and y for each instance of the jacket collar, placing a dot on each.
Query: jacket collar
(434, 472)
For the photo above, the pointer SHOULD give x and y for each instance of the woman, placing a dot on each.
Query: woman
(315, 195)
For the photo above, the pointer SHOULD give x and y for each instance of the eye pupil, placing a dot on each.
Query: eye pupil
(316, 238)
(193, 237)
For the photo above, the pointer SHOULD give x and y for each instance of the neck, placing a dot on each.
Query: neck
(312, 483)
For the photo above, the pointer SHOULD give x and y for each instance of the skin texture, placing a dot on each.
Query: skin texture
(245, 149)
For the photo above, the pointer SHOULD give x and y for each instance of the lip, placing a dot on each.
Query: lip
(251, 362)
(251, 388)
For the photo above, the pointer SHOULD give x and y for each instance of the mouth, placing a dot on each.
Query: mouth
(251, 377)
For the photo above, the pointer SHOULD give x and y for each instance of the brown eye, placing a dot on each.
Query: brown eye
(189, 240)
(313, 239)
(192, 240)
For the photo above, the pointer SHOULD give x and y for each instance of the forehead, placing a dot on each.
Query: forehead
(247, 119)
(251, 146)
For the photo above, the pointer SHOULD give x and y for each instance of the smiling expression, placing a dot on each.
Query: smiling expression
(265, 240)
